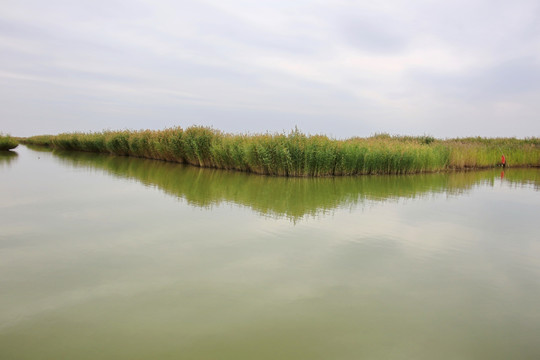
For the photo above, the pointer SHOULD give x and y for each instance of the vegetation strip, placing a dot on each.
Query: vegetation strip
(296, 154)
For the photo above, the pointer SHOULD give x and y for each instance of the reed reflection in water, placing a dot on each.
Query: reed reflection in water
(7, 157)
(293, 198)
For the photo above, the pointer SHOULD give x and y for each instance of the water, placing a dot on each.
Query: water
(106, 257)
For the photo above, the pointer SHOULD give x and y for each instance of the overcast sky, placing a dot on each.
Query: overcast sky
(342, 68)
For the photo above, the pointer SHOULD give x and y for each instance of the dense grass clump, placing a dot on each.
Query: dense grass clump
(7, 142)
(296, 154)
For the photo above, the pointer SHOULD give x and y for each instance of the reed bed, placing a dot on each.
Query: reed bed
(296, 154)
(39, 140)
(7, 142)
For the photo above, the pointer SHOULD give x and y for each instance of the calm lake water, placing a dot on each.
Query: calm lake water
(105, 257)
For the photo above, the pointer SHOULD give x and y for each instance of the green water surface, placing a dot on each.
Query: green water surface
(105, 257)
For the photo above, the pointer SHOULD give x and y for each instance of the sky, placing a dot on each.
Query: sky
(340, 68)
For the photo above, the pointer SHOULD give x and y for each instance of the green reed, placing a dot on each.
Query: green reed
(7, 142)
(38, 140)
(297, 154)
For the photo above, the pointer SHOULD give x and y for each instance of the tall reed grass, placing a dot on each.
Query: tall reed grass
(296, 154)
(7, 142)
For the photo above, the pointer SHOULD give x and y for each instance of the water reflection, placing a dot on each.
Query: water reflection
(7, 157)
(98, 267)
(293, 198)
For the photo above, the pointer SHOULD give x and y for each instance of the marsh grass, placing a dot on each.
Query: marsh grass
(7, 142)
(38, 140)
(296, 154)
